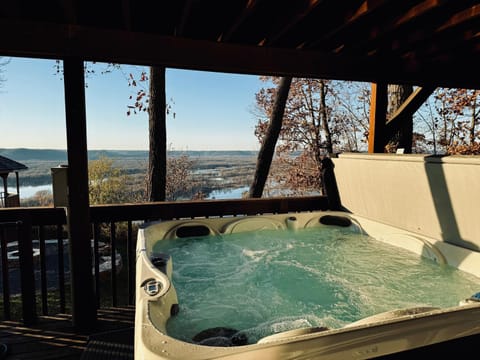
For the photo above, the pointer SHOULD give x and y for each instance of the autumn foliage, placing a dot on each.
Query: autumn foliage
(448, 123)
(107, 184)
(320, 117)
(179, 178)
(459, 114)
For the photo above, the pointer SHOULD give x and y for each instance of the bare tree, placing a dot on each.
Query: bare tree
(315, 121)
(269, 139)
(460, 111)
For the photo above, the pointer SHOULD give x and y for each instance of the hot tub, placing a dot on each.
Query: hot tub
(391, 331)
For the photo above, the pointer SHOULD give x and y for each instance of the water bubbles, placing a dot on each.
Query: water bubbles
(267, 282)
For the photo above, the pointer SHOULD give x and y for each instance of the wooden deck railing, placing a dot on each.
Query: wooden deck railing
(115, 225)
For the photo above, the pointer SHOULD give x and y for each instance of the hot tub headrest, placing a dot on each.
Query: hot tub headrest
(192, 230)
(335, 220)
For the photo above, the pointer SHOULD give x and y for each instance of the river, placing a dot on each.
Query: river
(236, 193)
(228, 194)
(29, 191)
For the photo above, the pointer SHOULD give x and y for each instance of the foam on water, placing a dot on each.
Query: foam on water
(267, 282)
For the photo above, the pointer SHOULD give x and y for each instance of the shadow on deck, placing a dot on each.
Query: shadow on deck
(54, 337)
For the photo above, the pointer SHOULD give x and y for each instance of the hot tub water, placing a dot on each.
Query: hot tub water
(266, 282)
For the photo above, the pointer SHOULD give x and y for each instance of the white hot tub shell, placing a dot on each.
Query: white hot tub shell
(386, 333)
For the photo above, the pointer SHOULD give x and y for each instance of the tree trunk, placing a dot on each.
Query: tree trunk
(473, 121)
(324, 119)
(403, 138)
(267, 149)
(157, 156)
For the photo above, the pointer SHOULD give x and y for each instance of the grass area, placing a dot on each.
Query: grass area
(53, 298)
(53, 302)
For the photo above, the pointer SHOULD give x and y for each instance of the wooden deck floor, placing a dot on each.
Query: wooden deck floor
(54, 337)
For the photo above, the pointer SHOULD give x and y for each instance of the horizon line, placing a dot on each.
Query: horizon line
(58, 149)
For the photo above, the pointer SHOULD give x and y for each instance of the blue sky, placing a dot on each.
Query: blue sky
(214, 111)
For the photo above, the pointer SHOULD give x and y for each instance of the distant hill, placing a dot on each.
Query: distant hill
(23, 154)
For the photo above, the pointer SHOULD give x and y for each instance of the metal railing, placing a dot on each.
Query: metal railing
(112, 225)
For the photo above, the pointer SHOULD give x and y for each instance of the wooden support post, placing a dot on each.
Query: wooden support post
(377, 137)
(5, 186)
(84, 310)
(17, 183)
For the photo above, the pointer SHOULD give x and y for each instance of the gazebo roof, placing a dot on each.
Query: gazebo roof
(8, 165)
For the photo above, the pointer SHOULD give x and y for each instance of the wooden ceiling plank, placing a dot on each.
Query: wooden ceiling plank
(438, 35)
(461, 18)
(460, 42)
(126, 15)
(183, 20)
(387, 31)
(443, 40)
(10, 8)
(366, 7)
(419, 10)
(365, 11)
(311, 5)
(69, 10)
(247, 11)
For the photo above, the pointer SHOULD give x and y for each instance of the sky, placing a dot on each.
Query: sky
(213, 111)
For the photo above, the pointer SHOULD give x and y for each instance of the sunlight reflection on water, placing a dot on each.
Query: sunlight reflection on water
(29, 191)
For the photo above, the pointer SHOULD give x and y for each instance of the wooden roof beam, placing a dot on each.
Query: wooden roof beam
(387, 32)
(466, 42)
(185, 15)
(436, 34)
(310, 6)
(10, 8)
(126, 14)
(69, 11)
(247, 11)
(419, 10)
(54, 41)
(462, 17)
(365, 11)
(47, 40)
(439, 34)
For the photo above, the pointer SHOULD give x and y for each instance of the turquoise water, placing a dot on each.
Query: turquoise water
(266, 282)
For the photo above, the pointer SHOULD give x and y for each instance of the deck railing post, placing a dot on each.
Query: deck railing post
(4, 227)
(27, 276)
